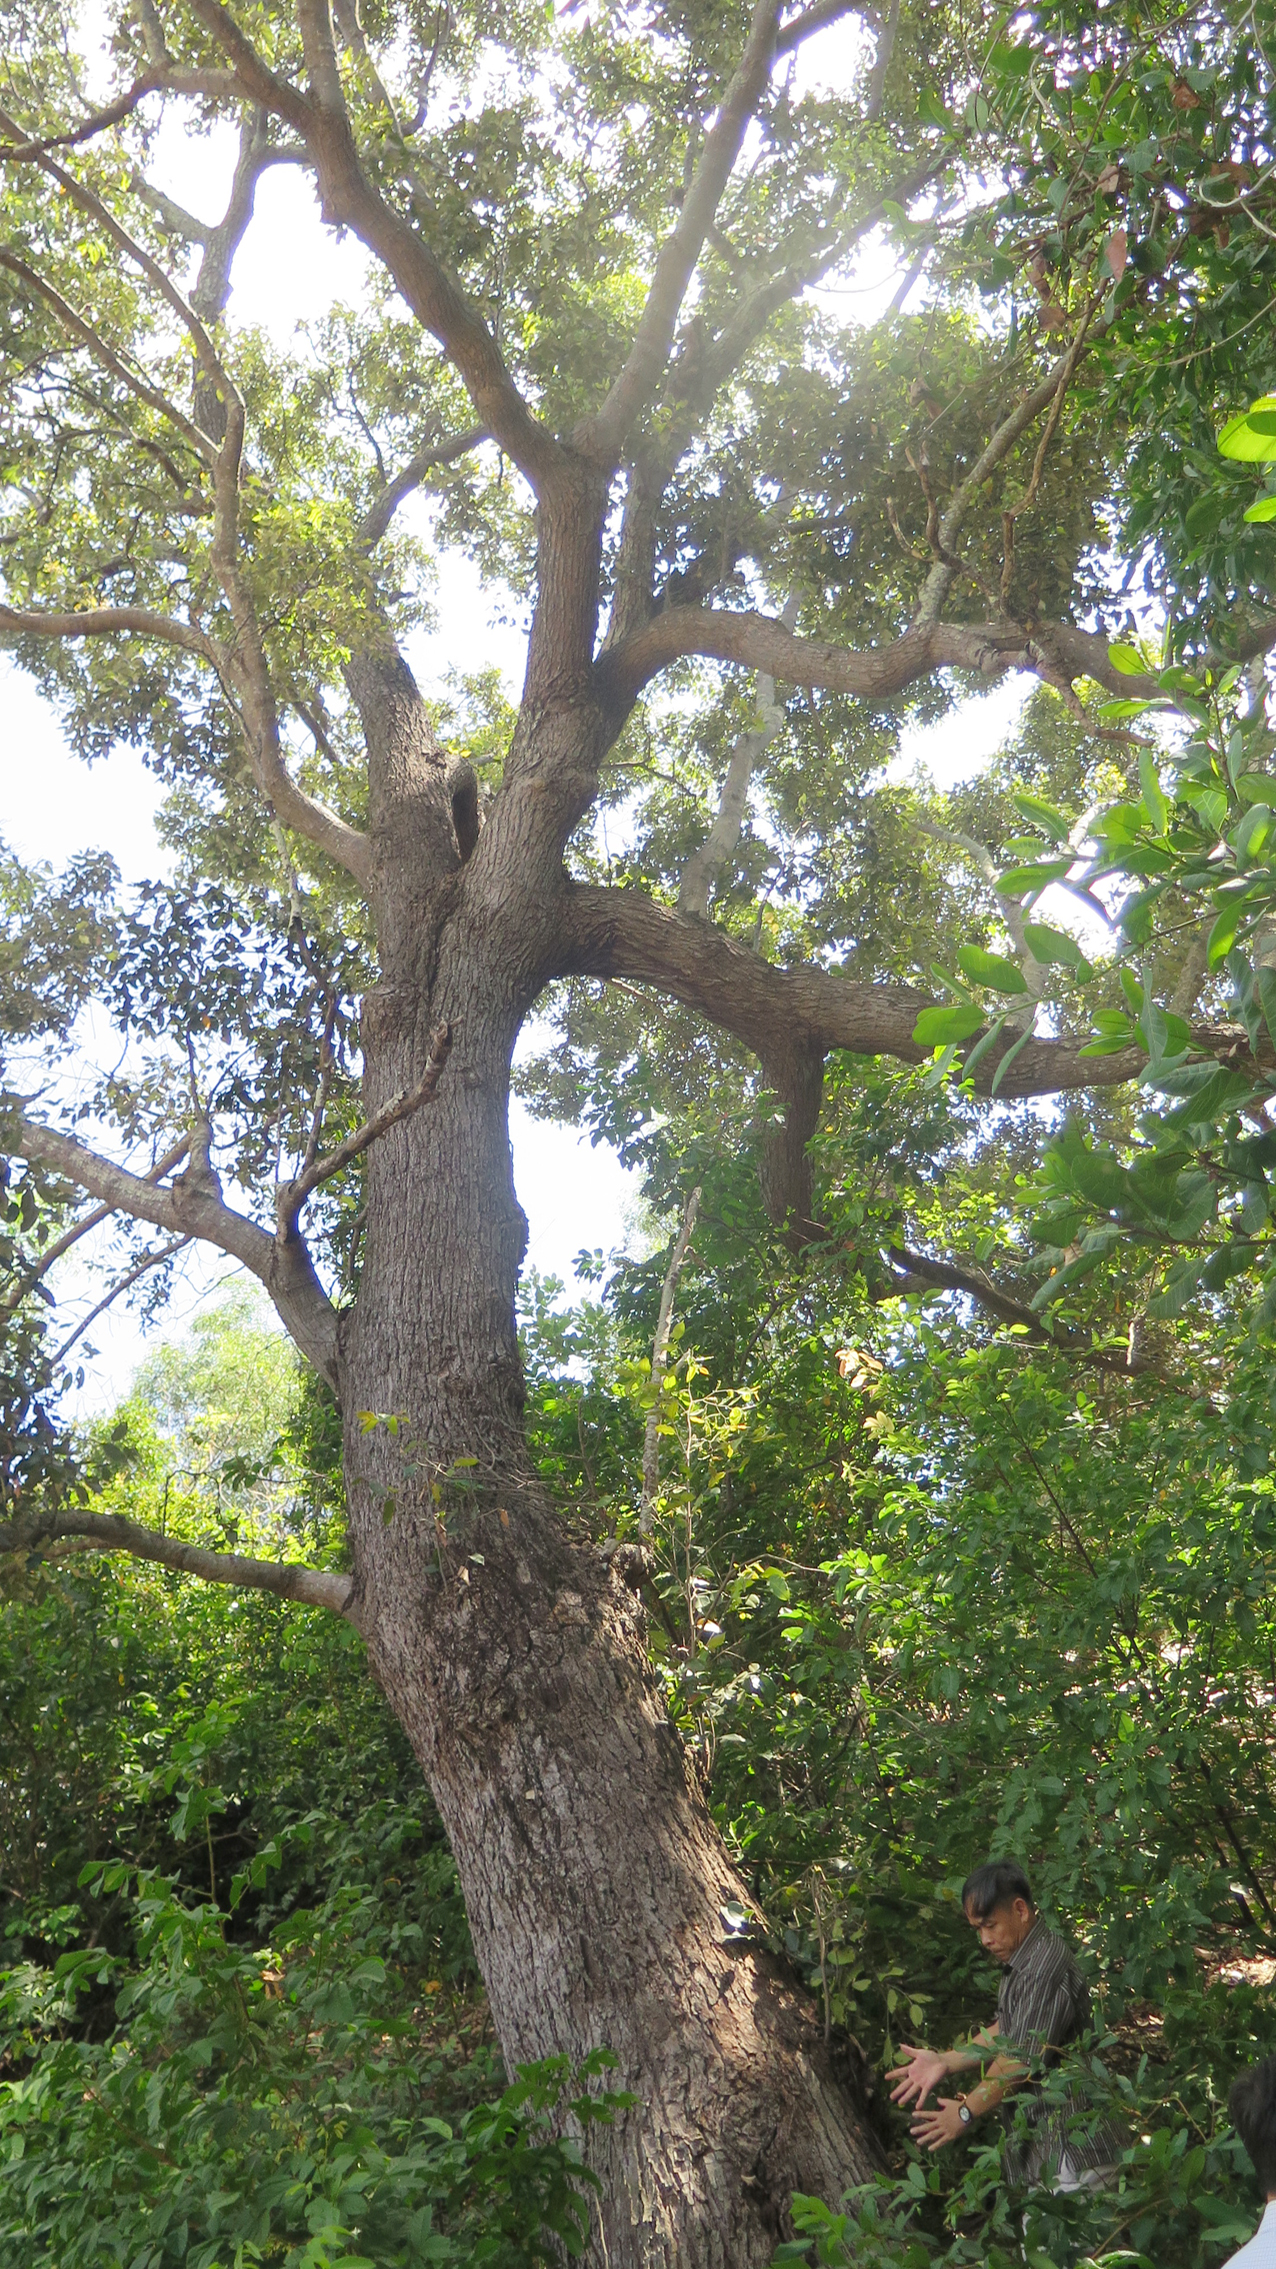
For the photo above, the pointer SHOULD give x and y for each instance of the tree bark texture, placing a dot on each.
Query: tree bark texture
(511, 1651)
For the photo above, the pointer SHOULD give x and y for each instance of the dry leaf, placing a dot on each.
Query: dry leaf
(1116, 253)
(1183, 97)
(1109, 181)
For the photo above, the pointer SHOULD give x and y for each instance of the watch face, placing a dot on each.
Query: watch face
(965, 2114)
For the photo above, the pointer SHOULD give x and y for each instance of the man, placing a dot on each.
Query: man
(1043, 2004)
(1252, 2104)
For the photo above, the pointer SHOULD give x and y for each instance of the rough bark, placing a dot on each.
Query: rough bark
(511, 1650)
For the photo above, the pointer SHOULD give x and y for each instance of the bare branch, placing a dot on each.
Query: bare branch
(174, 216)
(747, 752)
(107, 1532)
(27, 1282)
(350, 200)
(660, 1358)
(99, 622)
(602, 437)
(74, 323)
(811, 20)
(193, 1206)
(123, 1284)
(886, 38)
(379, 515)
(113, 115)
(783, 1013)
(761, 642)
(919, 1273)
(292, 1195)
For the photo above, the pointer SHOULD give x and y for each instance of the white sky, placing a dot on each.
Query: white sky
(51, 805)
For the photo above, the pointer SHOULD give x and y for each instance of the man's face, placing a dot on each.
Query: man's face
(1003, 1930)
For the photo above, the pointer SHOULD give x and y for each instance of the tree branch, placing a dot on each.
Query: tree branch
(114, 115)
(193, 1206)
(811, 20)
(761, 642)
(98, 622)
(210, 362)
(780, 1012)
(747, 751)
(123, 1284)
(107, 1532)
(660, 1357)
(602, 437)
(74, 323)
(27, 1282)
(378, 516)
(350, 200)
(919, 1273)
(292, 1195)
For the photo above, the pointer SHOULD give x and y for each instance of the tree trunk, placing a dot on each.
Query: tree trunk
(511, 1651)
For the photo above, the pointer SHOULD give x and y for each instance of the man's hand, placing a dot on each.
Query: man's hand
(942, 2125)
(923, 2071)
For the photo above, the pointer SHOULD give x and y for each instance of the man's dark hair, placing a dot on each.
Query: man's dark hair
(996, 1884)
(1252, 2104)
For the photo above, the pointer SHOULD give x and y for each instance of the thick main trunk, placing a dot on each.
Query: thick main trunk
(511, 1651)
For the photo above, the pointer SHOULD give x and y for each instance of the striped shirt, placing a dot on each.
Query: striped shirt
(1043, 2005)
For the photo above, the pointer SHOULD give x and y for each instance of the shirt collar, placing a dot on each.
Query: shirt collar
(1021, 1949)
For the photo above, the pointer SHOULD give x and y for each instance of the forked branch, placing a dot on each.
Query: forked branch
(193, 1206)
(29, 1278)
(603, 437)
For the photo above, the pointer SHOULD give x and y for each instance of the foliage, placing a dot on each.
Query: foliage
(920, 1593)
(239, 2017)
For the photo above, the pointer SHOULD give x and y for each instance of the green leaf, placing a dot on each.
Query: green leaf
(1017, 881)
(1128, 660)
(991, 969)
(1119, 712)
(1154, 797)
(937, 1027)
(1265, 509)
(1223, 935)
(1007, 1060)
(1250, 834)
(1043, 815)
(1051, 946)
(1251, 437)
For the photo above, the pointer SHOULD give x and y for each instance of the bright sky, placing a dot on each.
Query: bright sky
(51, 805)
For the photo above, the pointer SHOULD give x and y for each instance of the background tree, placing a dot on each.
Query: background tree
(634, 414)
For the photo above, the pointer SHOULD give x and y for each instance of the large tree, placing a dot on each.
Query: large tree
(592, 329)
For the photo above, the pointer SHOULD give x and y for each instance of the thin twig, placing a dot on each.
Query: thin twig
(292, 1195)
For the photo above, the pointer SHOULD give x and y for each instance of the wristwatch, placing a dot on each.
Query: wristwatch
(964, 2112)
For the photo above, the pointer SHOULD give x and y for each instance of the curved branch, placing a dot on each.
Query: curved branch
(108, 1532)
(761, 642)
(378, 516)
(775, 1012)
(114, 115)
(98, 622)
(351, 200)
(193, 1206)
(291, 805)
(100, 1213)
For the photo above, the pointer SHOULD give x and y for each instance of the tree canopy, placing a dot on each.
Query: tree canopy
(1010, 1550)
